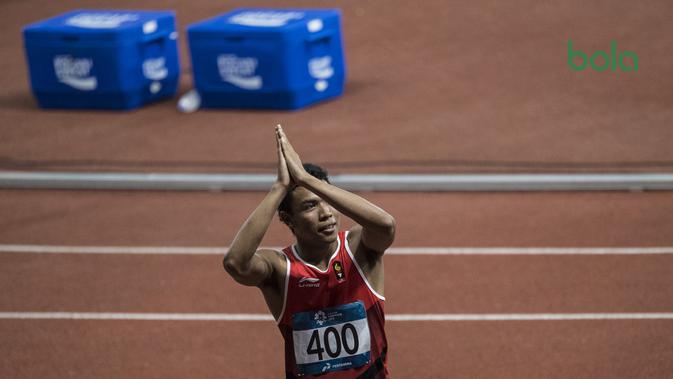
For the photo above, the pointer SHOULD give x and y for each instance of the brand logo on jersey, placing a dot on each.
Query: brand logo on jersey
(75, 72)
(309, 282)
(320, 317)
(339, 271)
(239, 71)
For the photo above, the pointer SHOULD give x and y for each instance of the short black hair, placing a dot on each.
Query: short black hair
(313, 170)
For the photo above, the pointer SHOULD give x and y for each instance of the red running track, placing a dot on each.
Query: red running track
(450, 284)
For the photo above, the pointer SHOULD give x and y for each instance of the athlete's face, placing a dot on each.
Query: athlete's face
(312, 218)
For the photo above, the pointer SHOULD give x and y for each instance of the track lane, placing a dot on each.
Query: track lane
(466, 284)
(140, 349)
(577, 349)
(460, 284)
(113, 349)
(430, 219)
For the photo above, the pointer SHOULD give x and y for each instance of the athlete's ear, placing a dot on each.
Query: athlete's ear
(286, 218)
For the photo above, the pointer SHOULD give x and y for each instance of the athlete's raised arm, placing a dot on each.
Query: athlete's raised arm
(378, 227)
(243, 261)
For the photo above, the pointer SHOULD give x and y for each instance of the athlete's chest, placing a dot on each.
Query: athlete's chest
(309, 281)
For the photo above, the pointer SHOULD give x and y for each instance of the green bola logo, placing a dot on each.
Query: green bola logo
(608, 61)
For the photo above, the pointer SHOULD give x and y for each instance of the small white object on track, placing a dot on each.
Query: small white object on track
(155, 87)
(189, 102)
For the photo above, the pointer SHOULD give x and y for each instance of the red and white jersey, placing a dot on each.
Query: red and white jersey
(332, 320)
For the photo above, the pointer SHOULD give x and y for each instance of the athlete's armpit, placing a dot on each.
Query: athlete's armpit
(375, 243)
(369, 261)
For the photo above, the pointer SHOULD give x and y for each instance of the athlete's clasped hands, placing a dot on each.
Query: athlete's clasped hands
(290, 168)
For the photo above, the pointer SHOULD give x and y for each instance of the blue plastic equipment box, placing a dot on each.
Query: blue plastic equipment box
(105, 59)
(267, 58)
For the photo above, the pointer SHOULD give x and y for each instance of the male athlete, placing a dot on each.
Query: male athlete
(326, 290)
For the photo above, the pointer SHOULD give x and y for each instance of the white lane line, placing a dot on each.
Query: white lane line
(165, 250)
(529, 250)
(136, 316)
(390, 317)
(529, 316)
(154, 250)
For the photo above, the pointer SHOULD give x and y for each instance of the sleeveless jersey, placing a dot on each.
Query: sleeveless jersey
(332, 320)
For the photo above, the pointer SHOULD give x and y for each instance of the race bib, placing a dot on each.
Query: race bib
(331, 339)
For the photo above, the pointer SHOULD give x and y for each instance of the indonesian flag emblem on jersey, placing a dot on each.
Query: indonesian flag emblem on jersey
(332, 320)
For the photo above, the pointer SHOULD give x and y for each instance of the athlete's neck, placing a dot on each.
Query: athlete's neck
(316, 254)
